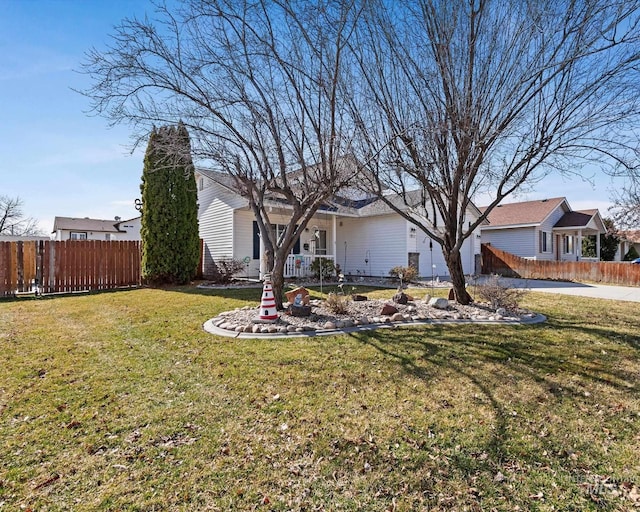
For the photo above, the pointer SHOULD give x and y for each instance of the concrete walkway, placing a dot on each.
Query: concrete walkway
(598, 291)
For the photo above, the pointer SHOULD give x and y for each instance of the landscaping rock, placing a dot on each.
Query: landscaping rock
(358, 298)
(388, 309)
(256, 328)
(397, 317)
(439, 303)
(329, 325)
(400, 298)
(299, 311)
(292, 294)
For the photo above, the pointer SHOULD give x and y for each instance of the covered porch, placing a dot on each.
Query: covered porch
(318, 242)
(570, 231)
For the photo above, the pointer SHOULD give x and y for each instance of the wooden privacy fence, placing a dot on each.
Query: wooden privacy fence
(495, 261)
(68, 266)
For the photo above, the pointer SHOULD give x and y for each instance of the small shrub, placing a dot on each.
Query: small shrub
(408, 273)
(328, 268)
(338, 304)
(227, 268)
(499, 295)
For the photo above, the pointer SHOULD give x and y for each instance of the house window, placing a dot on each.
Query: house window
(545, 241)
(568, 244)
(78, 235)
(279, 229)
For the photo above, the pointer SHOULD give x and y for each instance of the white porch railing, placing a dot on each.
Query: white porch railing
(299, 265)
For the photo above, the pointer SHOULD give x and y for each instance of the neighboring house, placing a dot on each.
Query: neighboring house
(628, 239)
(360, 233)
(546, 229)
(22, 238)
(71, 228)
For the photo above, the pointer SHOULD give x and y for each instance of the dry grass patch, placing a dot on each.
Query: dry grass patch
(119, 401)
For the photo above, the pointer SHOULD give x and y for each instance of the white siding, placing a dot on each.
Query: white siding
(519, 241)
(65, 234)
(381, 240)
(243, 240)
(418, 242)
(215, 214)
(131, 229)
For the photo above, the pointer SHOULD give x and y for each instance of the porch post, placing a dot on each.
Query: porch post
(263, 263)
(597, 246)
(334, 239)
(579, 248)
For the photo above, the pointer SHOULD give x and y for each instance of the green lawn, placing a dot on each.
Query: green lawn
(120, 401)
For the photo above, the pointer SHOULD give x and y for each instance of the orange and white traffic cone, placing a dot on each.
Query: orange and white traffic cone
(268, 311)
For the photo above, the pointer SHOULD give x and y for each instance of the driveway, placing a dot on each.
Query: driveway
(598, 291)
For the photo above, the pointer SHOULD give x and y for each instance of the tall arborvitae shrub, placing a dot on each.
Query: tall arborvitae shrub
(170, 241)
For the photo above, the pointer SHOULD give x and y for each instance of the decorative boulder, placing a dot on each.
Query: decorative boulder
(388, 310)
(292, 294)
(357, 297)
(439, 303)
(400, 298)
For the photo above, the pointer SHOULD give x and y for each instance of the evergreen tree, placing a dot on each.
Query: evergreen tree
(631, 255)
(170, 240)
(608, 243)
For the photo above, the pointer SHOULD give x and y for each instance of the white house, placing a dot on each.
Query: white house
(363, 236)
(546, 229)
(72, 228)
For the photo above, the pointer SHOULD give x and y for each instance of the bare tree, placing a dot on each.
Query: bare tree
(490, 95)
(626, 206)
(13, 220)
(256, 84)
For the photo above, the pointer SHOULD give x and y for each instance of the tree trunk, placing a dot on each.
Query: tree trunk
(277, 280)
(454, 264)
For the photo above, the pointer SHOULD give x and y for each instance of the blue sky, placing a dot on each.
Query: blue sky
(61, 161)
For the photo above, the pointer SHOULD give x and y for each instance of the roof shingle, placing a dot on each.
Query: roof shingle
(527, 212)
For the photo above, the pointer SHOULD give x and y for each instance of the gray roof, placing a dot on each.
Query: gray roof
(350, 201)
(85, 224)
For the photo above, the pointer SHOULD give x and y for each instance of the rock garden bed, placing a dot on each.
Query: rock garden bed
(370, 313)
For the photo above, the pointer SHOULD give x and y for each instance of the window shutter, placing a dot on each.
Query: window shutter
(256, 241)
(539, 241)
(296, 246)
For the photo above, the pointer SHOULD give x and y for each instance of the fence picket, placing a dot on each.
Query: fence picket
(70, 265)
(495, 261)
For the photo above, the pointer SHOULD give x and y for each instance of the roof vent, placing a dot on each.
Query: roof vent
(544, 201)
(117, 218)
